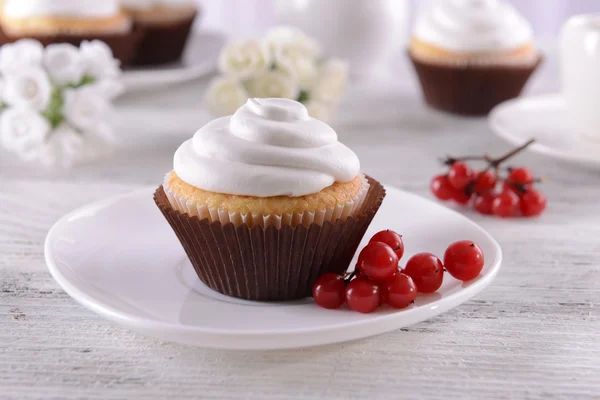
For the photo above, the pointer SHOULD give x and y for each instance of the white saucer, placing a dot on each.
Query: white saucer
(543, 118)
(199, 59)
(120, 258)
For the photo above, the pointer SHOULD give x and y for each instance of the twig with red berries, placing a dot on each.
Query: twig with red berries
(487, 190)
(378, 279)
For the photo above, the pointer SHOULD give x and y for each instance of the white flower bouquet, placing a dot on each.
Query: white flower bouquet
(55, 102)
(286, 64)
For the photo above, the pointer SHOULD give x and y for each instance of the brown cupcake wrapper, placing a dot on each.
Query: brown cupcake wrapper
(472, 89)
(123, 45)
(163, 43)
(270, 264)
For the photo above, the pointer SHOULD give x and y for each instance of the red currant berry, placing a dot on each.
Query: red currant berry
(533, 203)
(401, 291)
(441, 188)
(426, 270)
(485, 181)
(520, 176)
(459, 175)
(463, 260)
(383, 294)
(392, 239)
(377, 261)
(506, 204)
(484, 201)
(461, 197)
(363, 295)
(328, 290)
(507, 187)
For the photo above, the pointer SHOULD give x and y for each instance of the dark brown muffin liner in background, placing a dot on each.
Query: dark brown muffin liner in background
(163, 43)
(123, 45)
(269, 264)
(471, 89)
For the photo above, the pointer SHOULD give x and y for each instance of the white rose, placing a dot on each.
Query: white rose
(244, 59)
(28, 88)
(331, 81)
(320, 110)
(295, 60)
(23, 53)
(64, 147)
(23, 131)
(224, 96)
(274, 84)
(99, 61)
(285, 36)
(108, 89)
(64, 64)
(84, 108)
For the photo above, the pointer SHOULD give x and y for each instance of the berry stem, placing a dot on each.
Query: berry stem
(536, 180)
(451, 160)
(495, 163)
(350, 277)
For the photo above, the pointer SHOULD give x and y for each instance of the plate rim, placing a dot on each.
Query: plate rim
(500, 131)
(227, 338)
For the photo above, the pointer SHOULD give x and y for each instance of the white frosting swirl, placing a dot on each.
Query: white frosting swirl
(61, 8)
(473, 25)
(269, 147)
(147, 4)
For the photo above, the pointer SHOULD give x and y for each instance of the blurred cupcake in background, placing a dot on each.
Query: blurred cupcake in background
(166, 24)
(471, 55)
(70, 21)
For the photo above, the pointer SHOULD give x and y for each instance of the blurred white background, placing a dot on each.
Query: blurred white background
(252, 17)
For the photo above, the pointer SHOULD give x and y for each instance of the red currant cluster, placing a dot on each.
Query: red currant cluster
(378, 279)
(487, 190)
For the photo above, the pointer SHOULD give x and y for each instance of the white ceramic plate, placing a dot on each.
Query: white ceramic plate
(199, 59)
(543, 118)
(120, 258)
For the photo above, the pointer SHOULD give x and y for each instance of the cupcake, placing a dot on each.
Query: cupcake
(267, 200)
(167, 25)
(70, 21)
(471, 55)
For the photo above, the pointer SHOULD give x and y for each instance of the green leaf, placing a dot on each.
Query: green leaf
(86, 80)
(303, 96)
(54, 111)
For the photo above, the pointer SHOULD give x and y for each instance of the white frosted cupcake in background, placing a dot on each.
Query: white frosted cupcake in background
(167, 25)
(267, 200)
(471, 55)
(70, 21)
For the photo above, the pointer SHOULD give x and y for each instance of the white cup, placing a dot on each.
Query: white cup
(579, 47)
(366, 33)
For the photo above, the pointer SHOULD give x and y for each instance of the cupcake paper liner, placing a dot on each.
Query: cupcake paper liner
(472, 89)
(340, 211)
(163, 43)
(123, 45)
(270, 263)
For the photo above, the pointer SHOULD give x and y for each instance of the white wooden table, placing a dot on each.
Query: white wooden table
(535, 333)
